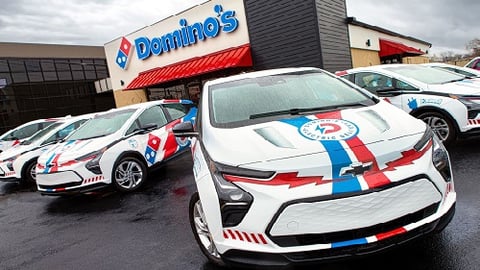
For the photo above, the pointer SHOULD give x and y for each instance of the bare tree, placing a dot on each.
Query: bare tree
(474, 46)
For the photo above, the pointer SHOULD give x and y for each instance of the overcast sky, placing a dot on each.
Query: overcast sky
(447, 24)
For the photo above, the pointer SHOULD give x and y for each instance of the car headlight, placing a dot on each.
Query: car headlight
(93, 158)
(441, 159)
(234, 201)
(9, 162)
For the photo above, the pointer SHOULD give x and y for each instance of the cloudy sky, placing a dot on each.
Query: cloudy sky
(447, 24)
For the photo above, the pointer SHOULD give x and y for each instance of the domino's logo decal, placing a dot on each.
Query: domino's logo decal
(153, 145)
(123, 53)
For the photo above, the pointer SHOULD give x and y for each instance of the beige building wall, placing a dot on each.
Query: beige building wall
(364, 58)
(34, 50)
(128, 97)
(415, 60)
(460, 63)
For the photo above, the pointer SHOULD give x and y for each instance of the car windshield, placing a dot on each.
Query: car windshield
(246, 101)
(425, 74)
(460, 71)
(41, 133)
(102, 125)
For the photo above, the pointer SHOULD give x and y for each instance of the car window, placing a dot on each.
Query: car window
(64, 132)
(373, 81)
(401, 85)
(176, 110)
(475, 64)
(153, 115)
(243, 100)
(39, 135)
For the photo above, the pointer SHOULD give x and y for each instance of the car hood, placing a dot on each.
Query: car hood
(15, 151)
(260, 146)
(465, 87)
(73, 149)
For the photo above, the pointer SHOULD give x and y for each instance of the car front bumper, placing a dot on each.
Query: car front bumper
(236, 257)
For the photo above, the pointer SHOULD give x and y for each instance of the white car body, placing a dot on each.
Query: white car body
(23, 132)
(63, 170)
(452, 109)
(18, 162)
(277, 189)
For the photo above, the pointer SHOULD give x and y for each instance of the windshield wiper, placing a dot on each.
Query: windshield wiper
(297, 111)
(93, 137)
(456, 80)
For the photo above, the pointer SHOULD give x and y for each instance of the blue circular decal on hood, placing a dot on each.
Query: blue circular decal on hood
(328, 130)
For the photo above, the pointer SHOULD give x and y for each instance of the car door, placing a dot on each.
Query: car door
(150, 134)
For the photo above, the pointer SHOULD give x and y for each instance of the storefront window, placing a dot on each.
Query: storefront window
(4, 66)
(33, 65)
(47, 65)
(16, 66)
(20, 77)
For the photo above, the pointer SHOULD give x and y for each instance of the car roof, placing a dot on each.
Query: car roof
(262, 73)
(151, 103)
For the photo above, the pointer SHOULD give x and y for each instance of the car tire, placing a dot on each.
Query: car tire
(441, 125)
(29, 175)
(201, 232)
(128, 174)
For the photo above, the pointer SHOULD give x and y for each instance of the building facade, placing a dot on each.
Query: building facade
(373, 45)
(43, 81)
(174, 57)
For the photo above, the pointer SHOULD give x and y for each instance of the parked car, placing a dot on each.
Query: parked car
(18, 162)
(22, 132)
(448, 102)
(474, 63)
(115, 148)
(297, 165)
(467, 72)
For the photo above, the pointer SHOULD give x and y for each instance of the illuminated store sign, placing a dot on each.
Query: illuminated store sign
(211, 27)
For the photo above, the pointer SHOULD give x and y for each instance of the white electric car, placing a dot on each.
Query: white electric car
(448, 102)
(115, 148)
(297, 165)
(23, 132)
(18, 162)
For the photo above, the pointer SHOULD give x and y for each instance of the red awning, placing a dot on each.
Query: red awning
(388, 47)
(235, 57)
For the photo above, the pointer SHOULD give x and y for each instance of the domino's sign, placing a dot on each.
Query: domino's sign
(186, 35)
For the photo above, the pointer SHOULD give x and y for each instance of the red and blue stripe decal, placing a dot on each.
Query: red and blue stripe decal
(53, 159)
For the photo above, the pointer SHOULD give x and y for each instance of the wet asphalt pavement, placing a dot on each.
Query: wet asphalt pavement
(149, 229)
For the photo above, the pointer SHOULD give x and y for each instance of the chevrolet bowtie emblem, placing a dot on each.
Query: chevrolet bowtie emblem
(356, 168)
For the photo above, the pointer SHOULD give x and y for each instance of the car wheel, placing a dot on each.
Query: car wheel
(441, 125)
(201, 232)
(29, 174)
(128, 174)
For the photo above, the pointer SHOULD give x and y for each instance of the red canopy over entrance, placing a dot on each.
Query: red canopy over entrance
(234, 57)
(388, 48)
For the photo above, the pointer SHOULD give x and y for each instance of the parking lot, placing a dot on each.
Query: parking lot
(149, 229)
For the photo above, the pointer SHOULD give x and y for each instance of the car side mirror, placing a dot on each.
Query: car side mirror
(184, 129)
